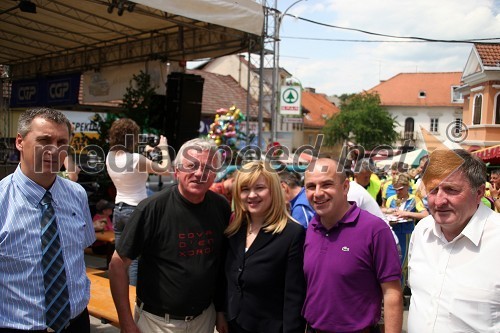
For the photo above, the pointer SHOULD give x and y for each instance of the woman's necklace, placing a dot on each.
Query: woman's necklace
(250, 230)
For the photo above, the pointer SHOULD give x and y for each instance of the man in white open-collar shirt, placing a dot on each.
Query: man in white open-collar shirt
(454, 273)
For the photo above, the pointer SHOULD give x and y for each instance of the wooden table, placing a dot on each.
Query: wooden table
(109, 238)
(105, 236)
(101, 302)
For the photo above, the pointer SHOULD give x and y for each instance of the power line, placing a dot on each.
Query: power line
(353, 40)
(421, 39)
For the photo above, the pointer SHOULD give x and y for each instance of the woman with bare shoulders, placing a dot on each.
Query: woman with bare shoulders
(129, 172)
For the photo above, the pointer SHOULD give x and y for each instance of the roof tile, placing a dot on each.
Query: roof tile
(222, 91)
(317, 109)
(405, 89)
(489, 53)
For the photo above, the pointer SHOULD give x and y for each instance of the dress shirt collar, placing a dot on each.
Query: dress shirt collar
(31, 190)
(473, 230)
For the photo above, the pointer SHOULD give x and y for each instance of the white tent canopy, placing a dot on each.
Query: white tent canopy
(69, 36)
(244, 15)
(411, 158)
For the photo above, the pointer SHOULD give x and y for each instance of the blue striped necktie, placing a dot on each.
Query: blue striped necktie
(57, 310)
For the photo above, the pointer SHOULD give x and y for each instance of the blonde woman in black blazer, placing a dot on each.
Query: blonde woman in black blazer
(266, 286)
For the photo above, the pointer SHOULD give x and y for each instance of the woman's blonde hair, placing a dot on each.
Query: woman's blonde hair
(277, 217)
(402, 179)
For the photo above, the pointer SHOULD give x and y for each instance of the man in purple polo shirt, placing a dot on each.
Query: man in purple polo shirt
(351, 261)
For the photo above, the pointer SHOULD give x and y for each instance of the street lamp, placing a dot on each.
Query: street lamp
(276, 77)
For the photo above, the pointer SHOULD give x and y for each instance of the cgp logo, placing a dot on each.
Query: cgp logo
(58, 90)
(26, 93)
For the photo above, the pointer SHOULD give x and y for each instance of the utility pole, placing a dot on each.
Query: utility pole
(276, 81)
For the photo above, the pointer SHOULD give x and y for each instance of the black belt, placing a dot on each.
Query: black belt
(123, 204)
(47, 330)
(161, 313)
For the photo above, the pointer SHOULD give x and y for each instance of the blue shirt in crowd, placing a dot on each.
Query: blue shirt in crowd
(300, 209)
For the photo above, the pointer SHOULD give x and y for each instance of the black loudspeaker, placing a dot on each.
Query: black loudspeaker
(157, 111)
(183, 112)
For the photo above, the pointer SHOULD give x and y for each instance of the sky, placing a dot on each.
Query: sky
(309, 53)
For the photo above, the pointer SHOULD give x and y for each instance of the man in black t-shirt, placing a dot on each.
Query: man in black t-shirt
(178, 236)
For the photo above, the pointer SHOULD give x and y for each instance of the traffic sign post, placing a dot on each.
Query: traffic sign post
(290, 100)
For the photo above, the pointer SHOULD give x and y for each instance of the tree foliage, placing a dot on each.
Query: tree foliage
(363, 121)
(136, 103)
(344, 98)
(138, 100)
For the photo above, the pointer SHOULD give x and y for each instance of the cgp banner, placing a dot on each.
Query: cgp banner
(46, 91)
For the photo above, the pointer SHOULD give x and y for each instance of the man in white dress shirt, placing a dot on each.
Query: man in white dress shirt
(454, 273)
(365, 201)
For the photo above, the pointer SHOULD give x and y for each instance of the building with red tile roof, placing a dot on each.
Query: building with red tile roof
(481, 91)
(489, 55)
(418, 89)
(427, 100)
(291, 131)
(222, 91)
(316, 109)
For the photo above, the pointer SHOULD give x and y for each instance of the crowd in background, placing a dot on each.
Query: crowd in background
(329, 250)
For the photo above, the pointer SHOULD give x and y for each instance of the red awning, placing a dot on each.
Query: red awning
(490, 154)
